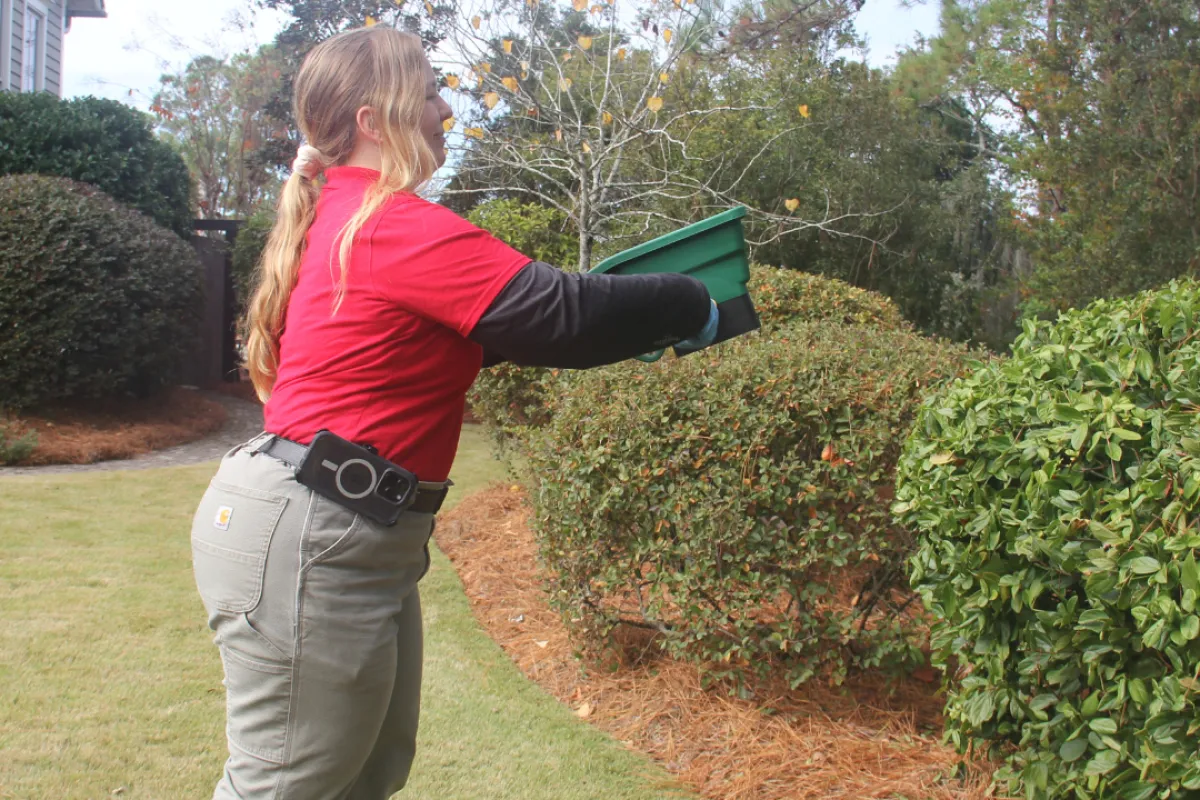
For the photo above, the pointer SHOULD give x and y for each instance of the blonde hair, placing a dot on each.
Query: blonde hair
(380, 68)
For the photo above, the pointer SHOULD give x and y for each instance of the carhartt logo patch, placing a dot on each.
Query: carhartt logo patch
(222, 520)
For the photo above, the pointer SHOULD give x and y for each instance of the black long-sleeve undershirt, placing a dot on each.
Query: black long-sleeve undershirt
(549, 318)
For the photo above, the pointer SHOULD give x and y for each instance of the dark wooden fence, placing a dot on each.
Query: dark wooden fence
(215, 359)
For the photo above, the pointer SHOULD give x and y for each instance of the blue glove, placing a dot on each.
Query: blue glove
(706, 335)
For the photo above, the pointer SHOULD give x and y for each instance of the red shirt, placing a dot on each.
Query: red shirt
(392, 367)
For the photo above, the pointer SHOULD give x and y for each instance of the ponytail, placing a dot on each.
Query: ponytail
(277, 275)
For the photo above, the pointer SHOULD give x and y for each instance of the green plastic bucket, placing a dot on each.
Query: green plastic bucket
(713, 251)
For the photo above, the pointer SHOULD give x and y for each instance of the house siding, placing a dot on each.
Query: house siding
(16, 43)
(54, 46)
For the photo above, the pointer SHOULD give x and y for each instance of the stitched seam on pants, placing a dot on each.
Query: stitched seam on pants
(341, 544)
(255, 664)
(297, 647)
(263, 638)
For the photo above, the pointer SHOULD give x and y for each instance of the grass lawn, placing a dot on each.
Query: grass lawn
(110, 685)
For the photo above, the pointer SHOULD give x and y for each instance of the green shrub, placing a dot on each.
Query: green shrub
(247, 252)
(15, 445)
(533, 229)
(784, 296)
(737, 499)
(99, 142)
(1056, 495)
(511, 400)
(95, 299)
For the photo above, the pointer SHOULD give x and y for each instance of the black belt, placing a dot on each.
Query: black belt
(429, 500)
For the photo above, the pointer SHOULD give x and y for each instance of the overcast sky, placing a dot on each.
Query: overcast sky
(123, 56)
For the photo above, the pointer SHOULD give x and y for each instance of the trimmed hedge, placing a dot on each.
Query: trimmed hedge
(99, 142)
(1057, 493)
(784, 296)
(737, 499)
(510, 400)
(95, 299)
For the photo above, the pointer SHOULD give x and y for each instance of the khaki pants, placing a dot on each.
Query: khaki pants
(318, 622)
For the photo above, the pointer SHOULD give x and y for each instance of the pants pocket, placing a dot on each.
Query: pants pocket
(257, 705)
(231, 534)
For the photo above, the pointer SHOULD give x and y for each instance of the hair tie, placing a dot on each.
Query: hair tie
(309, 163)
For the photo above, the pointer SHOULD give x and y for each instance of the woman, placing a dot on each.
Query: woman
(372, 318)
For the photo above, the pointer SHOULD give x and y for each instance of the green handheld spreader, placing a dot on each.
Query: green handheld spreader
(713, 251)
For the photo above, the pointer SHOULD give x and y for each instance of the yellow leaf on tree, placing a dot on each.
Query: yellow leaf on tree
(475, 21)
(580, 5)
(664, 77)
(524, 74)
(667, 34)
(654, 103)
(585, 42)
(475, 133)
(371, 22)
(485, 67)
(532, 2)
(621, 54)
(564, 84)
(452, 81)
(587, 148)
(558, 135)
(509, 82)
(448, 125)
(566, 56)
(941, 458)
(490, 99)
(507, 45)
(792, 204)
(428, 7)
(804, 111)
(596, 9)
(608, 118)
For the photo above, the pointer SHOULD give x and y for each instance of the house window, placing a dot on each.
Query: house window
(33, 55)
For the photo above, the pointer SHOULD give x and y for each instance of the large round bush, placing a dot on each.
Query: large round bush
(1056, 493)
(512, 400)
(95, 299)
(99, 142)
(737, 500)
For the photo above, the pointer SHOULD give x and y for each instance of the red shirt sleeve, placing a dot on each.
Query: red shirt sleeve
(432, 262)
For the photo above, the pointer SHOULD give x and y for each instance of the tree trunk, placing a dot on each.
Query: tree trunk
(585, 251)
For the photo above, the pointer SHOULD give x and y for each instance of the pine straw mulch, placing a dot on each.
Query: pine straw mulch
(871, 739)
(119, 430)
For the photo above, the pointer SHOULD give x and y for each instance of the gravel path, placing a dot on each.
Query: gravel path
(244, 422)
